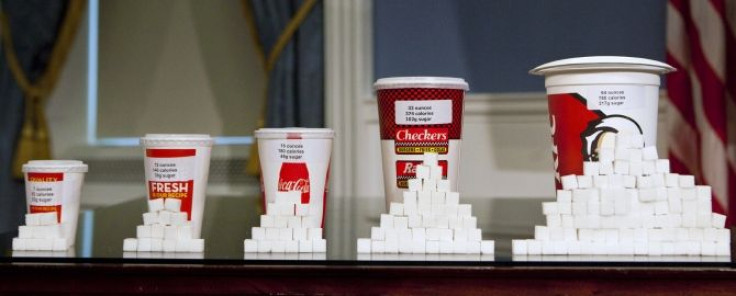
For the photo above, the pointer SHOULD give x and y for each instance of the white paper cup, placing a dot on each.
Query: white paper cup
(177, 166)
(296, 159)
(55, 186)
(418, 115)
(591, 96)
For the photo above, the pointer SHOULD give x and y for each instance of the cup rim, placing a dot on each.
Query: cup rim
(294, 132)
(602, 63)
(421, 82)
(51, 165)
(176, 140)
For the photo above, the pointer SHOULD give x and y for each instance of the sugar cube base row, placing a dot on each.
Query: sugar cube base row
(41, 232)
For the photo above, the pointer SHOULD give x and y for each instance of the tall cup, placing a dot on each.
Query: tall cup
(419, 115)
(177, 166)
(592, 97)
(55, 186)
(296, 159)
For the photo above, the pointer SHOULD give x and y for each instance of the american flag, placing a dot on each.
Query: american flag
(701, 44)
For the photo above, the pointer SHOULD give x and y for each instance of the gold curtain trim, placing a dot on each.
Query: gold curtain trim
(34, 138)
(253, 167)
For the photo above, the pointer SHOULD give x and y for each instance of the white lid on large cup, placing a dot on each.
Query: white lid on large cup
(602, 63)
(55, 166)
(295, 132)
(421, 82)
(177, 140)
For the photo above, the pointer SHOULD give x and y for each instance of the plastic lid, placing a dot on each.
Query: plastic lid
(295, 132)
(421, 82)
(60, 166)
(177, 140)
(603, 63)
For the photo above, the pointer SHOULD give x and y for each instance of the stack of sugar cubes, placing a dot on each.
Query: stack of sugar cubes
(42, 232)
(287, 227)
(165, 229)
(429, 221)
(628, 203)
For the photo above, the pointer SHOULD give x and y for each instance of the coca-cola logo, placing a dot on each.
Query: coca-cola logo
(294, 185)
(422, 134)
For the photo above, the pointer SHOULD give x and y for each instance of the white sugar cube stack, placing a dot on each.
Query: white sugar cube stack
(431, 220)
(165, 229)
(42, 232)
(628, 203)
(287, 227)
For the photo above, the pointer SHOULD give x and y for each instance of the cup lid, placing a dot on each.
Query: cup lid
(421, 82)
(61, 166)
(295, 133)
(603, 63)
(177, 140)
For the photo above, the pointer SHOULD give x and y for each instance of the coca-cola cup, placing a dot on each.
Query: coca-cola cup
(592, 97)
(419, 115)
(55, 186)
(296, 159)
(177, 166)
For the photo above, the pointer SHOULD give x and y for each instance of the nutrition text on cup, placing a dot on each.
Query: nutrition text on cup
(291, 151)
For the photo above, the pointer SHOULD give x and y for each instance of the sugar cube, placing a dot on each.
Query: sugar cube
(164, 218)
(286, 234)
(564, 196)
(564, 208)
(663, 166)
(438, 198)
(621, 153)
(422, 172)
(264, 246)
(606, 167)
(487, 247)
(179, 218)
(443, 185)
(319, 245)
(396, 209)
(687, 181)
(415, 185)
(302, 210)
(280, 221)
(464, 210)
(130, 245)
(314, 233)
(401, 222)
(48, 218)
(300, 233)
(519, 247)
(718, 220)
(429, 185)
(591, 168)
(541, 233)
(550, 208)
(249, 246)
(648, 167)
(387, 221)
(172, 204)
(606, 155)
(620, 167)
(569, 182)
(649, 153)
(364, 245)
(294, 222)
(452, 198)
(272, 234)
(585, 182)
(143, 231)
(155, 205)
(33, 220)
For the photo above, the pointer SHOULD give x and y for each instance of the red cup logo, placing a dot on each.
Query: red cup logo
(293, 177)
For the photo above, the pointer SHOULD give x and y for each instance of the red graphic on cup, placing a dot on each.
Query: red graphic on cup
(294, 176)
(576, 132)
(407, 169)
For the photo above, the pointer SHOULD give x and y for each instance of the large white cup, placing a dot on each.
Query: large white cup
(177, 166)
(55, 186)
(419, 115)
(296, 159)
(590, 97)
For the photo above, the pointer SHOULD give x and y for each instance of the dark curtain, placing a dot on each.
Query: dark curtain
(34, 25)
(296, 83)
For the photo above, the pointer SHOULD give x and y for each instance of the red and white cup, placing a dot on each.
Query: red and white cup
(419, 115)
(591, 96)
(296, 159)
(177, 166)
(55, 186)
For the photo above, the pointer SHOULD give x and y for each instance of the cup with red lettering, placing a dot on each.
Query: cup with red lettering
(591, 98)
(177, 166)
(296, 159)
(55, 186)
(419, 115)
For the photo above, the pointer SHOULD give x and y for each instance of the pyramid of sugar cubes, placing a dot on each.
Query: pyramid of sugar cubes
(165, 229)
(628, 203)
(42, 232)
(431, 219)
(287, 227)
